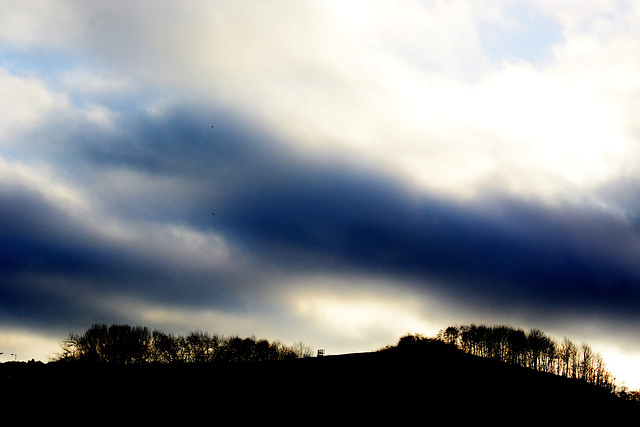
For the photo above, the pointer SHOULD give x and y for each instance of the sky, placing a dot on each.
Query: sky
(339, 173)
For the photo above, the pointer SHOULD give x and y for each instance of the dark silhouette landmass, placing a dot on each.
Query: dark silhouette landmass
(418, 380)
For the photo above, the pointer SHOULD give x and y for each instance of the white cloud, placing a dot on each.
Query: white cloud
(31, 23)
(403, 88)
(378, 87)
(42, 182)
(24, 101)
(88, 82)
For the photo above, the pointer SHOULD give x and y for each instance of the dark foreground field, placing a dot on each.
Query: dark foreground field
(430, 384)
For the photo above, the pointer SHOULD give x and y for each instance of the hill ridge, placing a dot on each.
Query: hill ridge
(432, 377)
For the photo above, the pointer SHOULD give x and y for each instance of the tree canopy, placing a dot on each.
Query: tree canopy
(124, 344)
(532, 349)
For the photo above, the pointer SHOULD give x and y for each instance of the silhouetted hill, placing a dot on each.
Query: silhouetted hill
(433, 378)
(429, 381)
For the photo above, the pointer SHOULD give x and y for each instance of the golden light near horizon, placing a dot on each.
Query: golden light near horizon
(379, 316)
(359, 318)
(623, 365)
(28, 345)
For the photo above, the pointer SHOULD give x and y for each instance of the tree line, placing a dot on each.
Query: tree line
(532, 349)
(124, 344)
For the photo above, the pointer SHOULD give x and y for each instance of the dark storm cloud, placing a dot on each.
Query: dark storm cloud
(56, 265)
(297, 215)
(286, 215)
(38, 252)
(55, 270)
(500, 249)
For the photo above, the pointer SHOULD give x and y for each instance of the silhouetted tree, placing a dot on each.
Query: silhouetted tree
(601, 377)
(126, 344)
(283, 351)
(264, 351)
(567, 358)
(449, 335)
(468, 339)
(201, 347)
(533, 349)
(109, 344)
(500, 347)
(164, 348)
(586, 363)
(123, 344)
(302, 350)
(541, 351)
(517, 344)
(411, 340)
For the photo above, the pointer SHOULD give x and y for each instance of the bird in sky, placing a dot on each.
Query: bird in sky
(213, 214)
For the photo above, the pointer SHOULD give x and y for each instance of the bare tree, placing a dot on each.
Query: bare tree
(201, 347)
(164, 348)
(450, 335)
(586, 363)
(567, 356)
(302, 350)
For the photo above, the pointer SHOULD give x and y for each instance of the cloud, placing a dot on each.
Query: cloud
(391, 86)
(30, 100)
(360, 157)
(147, 215)
(38, 23)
